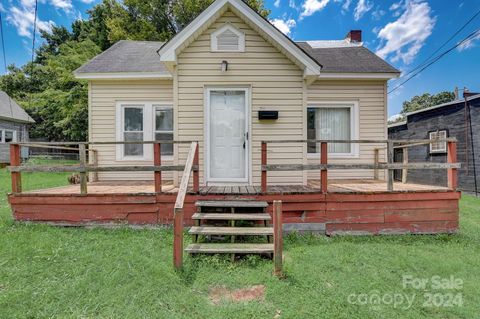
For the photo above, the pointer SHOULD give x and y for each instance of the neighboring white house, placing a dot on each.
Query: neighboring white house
(14, 123)
(212, 80)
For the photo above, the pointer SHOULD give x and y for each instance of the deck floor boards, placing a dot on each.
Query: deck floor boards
(334, 186)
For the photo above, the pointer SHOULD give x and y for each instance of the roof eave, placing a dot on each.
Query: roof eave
(122, 75)
(17, 120)
(363, 75)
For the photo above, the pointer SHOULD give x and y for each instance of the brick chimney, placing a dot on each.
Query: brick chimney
(354, 36)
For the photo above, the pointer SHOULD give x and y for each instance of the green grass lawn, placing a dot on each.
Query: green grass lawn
(48, 272)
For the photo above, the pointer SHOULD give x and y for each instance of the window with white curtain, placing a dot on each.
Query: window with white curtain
(8, 136)
(335, 121)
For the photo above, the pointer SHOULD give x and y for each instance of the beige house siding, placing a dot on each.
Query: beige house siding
(103, 98)
(276, 83)
(370, 96)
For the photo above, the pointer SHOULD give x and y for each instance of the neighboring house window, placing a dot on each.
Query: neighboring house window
(227, 39)
(134, 123)
(438, 147)
(333, 121)
(164, 127)
(8, 136)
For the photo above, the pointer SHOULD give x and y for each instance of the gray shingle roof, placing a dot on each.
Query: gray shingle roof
(10, 110)
(126, 56)
(349, 59)
(142, 56)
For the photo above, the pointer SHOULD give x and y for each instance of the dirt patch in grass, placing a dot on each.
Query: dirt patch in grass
(218, 295)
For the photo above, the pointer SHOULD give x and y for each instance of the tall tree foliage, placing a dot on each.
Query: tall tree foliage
(47, 88)
(425, 100)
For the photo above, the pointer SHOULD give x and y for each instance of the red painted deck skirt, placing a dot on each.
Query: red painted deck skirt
(341, 213)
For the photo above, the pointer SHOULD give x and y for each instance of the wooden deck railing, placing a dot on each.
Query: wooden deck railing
(178, 209)
(390, 165)
(84, 167)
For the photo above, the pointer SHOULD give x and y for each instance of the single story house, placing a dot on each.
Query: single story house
(236, 104)
(14, 122)
(459, 119)
(229, 80)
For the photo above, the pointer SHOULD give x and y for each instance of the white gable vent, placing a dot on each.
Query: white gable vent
(227, 39)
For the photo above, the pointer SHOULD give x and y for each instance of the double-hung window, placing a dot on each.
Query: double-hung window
(143, 121)
(333, 121)
(8, 136)
(164, 127)
(438, 147)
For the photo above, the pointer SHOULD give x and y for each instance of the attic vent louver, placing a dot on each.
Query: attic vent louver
(228, 39)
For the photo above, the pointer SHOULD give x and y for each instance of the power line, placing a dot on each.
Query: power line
(3, 43)
(469, 37)
(444, 44)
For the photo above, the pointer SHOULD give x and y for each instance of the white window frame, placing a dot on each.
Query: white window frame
(148, 128)
(2, 136)
(354, 126)
(154, 125)
(229, 27)
(444, 144)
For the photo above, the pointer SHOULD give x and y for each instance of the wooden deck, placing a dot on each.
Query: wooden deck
(334, 186)
(349, 206)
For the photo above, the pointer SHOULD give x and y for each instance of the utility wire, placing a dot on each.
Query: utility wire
(469, 37)
(5, 63)
(33, 46)
(443, 45)
(3, 43)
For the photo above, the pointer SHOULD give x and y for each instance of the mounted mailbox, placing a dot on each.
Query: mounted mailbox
(268, 115)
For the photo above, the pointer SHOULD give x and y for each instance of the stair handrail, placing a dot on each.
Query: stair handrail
(178, 208)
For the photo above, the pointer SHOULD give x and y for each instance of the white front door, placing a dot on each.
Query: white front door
(227, 136)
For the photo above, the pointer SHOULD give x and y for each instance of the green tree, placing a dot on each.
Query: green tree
(425, 100)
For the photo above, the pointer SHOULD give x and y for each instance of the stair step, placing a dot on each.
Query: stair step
(232, 203)
(247, 231)
(230, 248)
(221, 216)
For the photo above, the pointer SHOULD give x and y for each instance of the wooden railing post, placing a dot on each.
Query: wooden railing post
(277, 237)
(178, 238)
(405, 161)
(264, 162)
(390, 171)
(83, 174)
(376, 160)
(157, 161)
(196, 171)
(324, 161)
(452, 172)
(94, 161)
(15, 160)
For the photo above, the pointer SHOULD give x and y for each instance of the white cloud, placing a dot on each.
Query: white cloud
(405, 36)
(87, 1)
(285, 26)
(65, 5)
(378, 13)
(277, 3)
(22, 19)
(292, 4)
(309, 7)
(363, 6)
(346, 5)
(470, 43)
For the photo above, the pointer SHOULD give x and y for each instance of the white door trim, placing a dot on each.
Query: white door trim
(227, 181)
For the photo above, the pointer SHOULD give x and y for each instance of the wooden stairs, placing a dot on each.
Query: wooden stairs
(231, 227)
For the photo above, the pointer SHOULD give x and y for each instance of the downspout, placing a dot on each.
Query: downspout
(467, 107)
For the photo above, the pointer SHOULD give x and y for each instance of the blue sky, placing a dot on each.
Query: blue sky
(404, 32)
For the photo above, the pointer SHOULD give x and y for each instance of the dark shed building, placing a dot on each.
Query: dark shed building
(459, 119)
